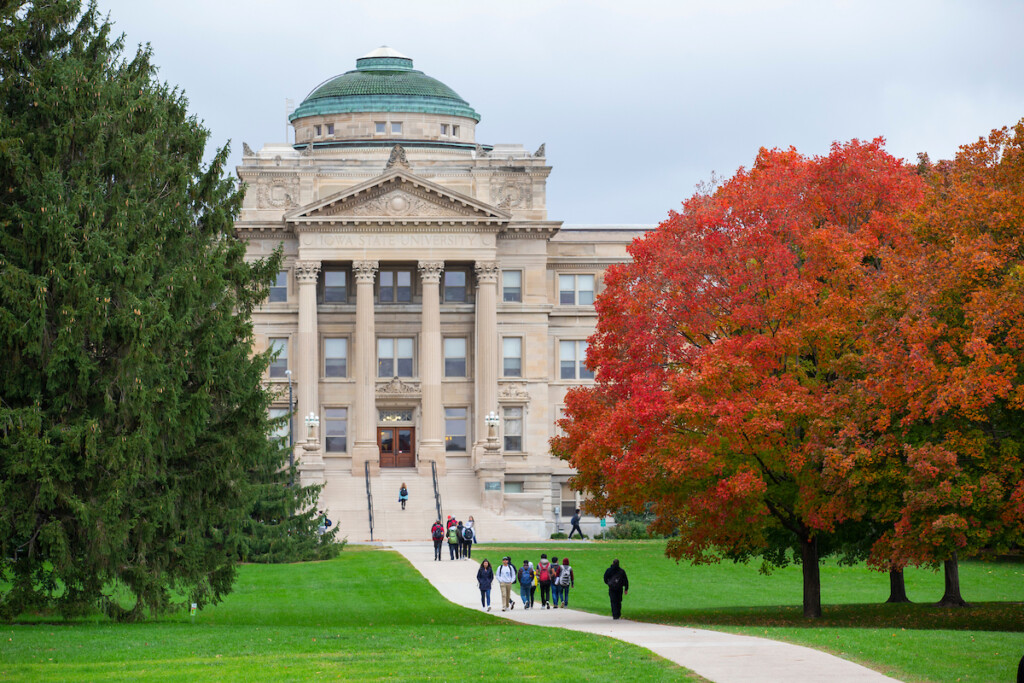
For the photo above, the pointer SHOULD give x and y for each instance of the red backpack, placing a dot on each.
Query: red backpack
(544, 576)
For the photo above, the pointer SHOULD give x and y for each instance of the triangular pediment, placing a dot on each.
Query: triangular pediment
(397, 196)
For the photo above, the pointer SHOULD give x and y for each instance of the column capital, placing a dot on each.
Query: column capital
(430, 271)
(307, 271)
(486, 271)
(364, 271)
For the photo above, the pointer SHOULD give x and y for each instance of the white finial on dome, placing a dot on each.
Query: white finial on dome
(384, 51)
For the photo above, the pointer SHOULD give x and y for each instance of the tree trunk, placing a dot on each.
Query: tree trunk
(951, 598)
(812, 577)
(897, 587)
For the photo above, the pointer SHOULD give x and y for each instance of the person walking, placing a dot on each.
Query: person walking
(506, 577)
(462, 540)
(403, 495)
(467, 541)
(556, 590)
(544, 581)
(618, 585)
(484, 577)
(525, 583)
(533, 586)
(453, 542)
(566, 580)
(450, 523)
(575, 521)
(437, 536)
(471, 523)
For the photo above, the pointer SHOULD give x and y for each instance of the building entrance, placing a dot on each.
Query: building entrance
(397, 446)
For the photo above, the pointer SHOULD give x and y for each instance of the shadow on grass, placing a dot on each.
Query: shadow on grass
(981, 616)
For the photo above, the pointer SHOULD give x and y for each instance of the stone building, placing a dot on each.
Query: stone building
(423, 288)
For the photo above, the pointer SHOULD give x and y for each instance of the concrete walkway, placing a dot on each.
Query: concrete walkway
(719, 657)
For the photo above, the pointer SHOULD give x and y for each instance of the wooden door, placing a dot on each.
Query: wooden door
(397, 446)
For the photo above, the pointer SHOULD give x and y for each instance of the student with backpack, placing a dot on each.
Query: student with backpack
(437, 536)
(460, 551)
(403, 495)
(566, 580)
(525, 583)
(618, 585)
(467, 541)
(506, 575)
(453, 542)
(556, 590)
(544, 581)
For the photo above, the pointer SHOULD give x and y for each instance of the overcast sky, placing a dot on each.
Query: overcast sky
(637, 100)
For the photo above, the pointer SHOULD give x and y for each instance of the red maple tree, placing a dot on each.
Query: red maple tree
(946, 368)
(727, 352)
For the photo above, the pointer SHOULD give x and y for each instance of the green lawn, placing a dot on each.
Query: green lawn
(365, 616)
(917, 642)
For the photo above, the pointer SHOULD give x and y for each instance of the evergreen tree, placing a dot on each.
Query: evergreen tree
(132, 413)
(284, 522)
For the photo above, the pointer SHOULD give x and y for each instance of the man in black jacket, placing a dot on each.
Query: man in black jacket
(575, 521)
(618, 584)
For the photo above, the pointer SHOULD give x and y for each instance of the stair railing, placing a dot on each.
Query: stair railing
(437, 491)
(369, 497)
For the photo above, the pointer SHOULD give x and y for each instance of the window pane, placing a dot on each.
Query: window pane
(568, 369)
(585, 285)
(281, 433)
(455, 357)
(511, 285)
(455, 286)
(455, 429)
(335, 357)
(335, 286)
(396, 128)
(566, 290)
(513, 429)
(404, 288)
(386, 367)
(279, 365)
(379, 127)
(404, 367)
(385, 348)
(405, 348)
(279, 290)
(387, 286)
(336, 429)
(582, 356)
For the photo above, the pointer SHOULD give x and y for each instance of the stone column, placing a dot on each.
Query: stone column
(307, 362)
(363, 422)
(486, 351)
(431, 445)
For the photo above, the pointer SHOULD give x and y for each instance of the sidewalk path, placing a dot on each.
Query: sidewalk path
(719, 657)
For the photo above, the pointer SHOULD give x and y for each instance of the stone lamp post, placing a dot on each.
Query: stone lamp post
(311, 468)
(491, 467)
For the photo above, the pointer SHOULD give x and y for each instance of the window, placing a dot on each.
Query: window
(513, 428)
(512, 356)
(279, 290)
(336, 429)
(576, 290)
(572, 356)
(335, 357)
(512, 285)
(280, 434)
(444, 129)
(455, 131)
(395, 286)
(279, 365)
(455, 286)
(394, 357)
(316, 129)
(330, 129)
(379, 127)
(335, 286)
(513, 487)
(396, 127)
(455, 357)
(455, 429)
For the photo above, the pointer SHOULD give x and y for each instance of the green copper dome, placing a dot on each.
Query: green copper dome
(383, 80)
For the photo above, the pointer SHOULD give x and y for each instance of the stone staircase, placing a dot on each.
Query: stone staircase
(344, 499)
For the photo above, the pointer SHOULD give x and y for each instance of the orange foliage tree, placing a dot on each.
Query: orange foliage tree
(945, 389)
(727, 355)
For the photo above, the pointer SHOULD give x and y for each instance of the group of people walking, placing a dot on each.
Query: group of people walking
(554, 580)
(460, 537)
